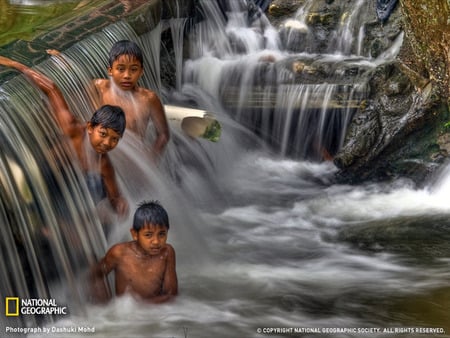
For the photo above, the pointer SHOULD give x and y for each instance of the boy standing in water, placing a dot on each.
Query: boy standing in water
(91, 141)
(125, 68)
(145, 266)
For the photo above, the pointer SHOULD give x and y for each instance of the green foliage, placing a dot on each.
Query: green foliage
(447, 126)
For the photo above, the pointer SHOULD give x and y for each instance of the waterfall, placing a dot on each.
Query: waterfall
(51, 232)
(299, 103)
(177, 29)
(345, 34)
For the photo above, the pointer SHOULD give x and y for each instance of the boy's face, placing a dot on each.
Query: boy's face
(102, 139)
(125, 72)
(151, 238)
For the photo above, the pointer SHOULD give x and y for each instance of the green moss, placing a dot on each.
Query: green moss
(213, 131)
(24, 22)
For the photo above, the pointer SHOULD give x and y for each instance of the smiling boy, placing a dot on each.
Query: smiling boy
(143, 267)
(91, 141)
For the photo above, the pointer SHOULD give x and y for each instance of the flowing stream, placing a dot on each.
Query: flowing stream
(264, 236)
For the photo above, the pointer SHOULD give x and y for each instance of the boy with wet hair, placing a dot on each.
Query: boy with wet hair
(143, 267)
(125, 47)
(125, 68)
(91, 141)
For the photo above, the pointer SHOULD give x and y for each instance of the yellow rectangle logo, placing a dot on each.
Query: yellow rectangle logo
(12, 306)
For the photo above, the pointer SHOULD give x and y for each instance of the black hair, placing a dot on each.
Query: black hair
(125, 47)
(150, 212)
(108, 116)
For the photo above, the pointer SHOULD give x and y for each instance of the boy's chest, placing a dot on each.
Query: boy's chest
(143, 277)
(136, 110)
(143, 266)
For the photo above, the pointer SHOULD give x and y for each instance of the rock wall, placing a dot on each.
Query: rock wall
(402, 130)
(428, 35)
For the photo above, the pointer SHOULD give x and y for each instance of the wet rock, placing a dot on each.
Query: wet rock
(294, 35)
(283, 8)
(385, 8)
(420, 237)
(395, 133)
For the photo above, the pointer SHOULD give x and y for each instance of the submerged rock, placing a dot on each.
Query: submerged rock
(422, 237)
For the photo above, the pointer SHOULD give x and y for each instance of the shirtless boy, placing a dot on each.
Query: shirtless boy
(140, 104)
(91, 141)
(145, 266)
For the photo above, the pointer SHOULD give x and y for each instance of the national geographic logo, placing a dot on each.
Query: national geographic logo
(14, 306)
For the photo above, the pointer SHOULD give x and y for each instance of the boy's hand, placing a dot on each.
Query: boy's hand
(120, 205)
(53, 52)
(99, 290)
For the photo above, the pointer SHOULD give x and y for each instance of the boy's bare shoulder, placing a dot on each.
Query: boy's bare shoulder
(119, 249)
(148, 94)
(102, 84)
(170, 250)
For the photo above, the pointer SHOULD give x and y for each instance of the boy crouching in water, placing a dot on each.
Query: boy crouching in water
(145, 266)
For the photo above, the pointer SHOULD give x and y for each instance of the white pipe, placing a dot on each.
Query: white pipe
(193, 122)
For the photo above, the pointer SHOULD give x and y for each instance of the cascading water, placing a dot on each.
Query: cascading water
(263, 240)
(300, 103)
(49, 232)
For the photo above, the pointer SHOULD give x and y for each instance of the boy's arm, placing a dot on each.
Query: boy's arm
(99, 287)
(170, 284)
(118, 202)
(66, 120)
(159, 120)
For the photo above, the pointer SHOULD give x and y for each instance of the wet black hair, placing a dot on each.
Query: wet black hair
(108, 116)
(125, 47)
(150, 212)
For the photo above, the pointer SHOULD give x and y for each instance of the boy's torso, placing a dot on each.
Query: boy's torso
(140, 274)
(134, 103)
